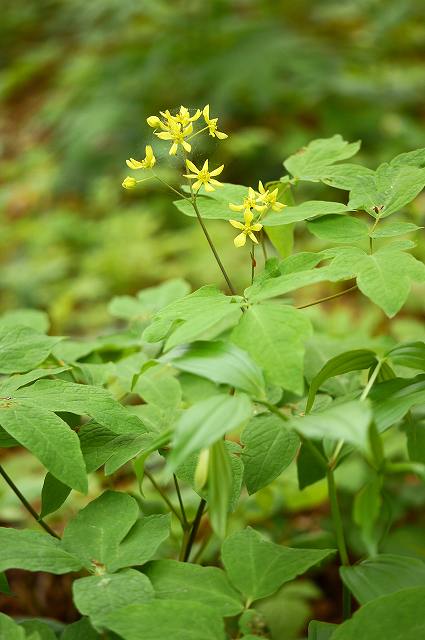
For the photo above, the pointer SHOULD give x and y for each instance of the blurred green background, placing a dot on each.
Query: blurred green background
(79, 78)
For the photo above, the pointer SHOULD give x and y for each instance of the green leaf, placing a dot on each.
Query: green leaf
(49, 438)
(37, 630)
(392, 399)
(80, 399)
(32, 318)
(22, 348)
(389, 189)
(142, 541)
(201, 315)
(4, 584)
(343, 176)
(415, 430)
(258, 568)
(162, 619)
(385, 277)
(414, 158)
(10, 384)
(304, 211)
(35, 551)
(320, 630)
(310, 162)
(339, 229)
(220, 481)
(9, 630)
(269, 449)
(309, 469)
(215, 206)
(394, 229)
(282, 237)
(148, 301)
(206, 422)
(355, 360)
(366, 511)
(273, 287)
(80, 630)
(221, 362)
(410, 354)
(126, 448)
(382, 575)
(96, 531)
(397, 616)
(348, 421)
(274, 335)
(53, 495)
(98, 596)
(183, 581)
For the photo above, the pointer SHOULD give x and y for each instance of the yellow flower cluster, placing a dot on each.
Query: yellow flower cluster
(259, 201)
(178, 129)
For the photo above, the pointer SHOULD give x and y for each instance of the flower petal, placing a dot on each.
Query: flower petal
(216, 172)
(235, 207)
(236, 224)
(253, 238)
(240, 240)
(192, 166)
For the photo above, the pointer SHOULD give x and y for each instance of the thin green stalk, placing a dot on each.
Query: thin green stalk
(340, 539)
(26, 504)
(212, 247)
(371, 381)
(164, 497)
(335, 295)
(170, 187)
(194, 530)
(253, 263)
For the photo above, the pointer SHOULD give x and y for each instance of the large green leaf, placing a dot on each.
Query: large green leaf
(268, 449)
(355, 360)
(278, 286)
(382, 575)
(201, 315)
(22, 348)
(392, 399)
(258, 568)
(183, 581)
(343, 176)
(48, 437)
(320, 630)
(348, 421)
(98, 596)
(79, 630)
(411, 354)
(162, 619)
(148, 301)
(35, 551)
(304, 211)
(398, 616)
(221, 362)
(53, 495)
(385, 277)
(339, 229)
(311, 162)
(274, 335)
(389, 189)
(142, 541)
(220, 482)
(393, 230)
(9, 630)
(205, 422)
(96, 531)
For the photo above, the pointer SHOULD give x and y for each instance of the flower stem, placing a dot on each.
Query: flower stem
(253, 263)
(210, 242)
(26, 504)
(179, 496)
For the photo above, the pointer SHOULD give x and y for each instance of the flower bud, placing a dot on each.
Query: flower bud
(201, 471)
(153, 121)
(129, 183)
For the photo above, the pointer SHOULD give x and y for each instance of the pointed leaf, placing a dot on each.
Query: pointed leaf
(22, 348)
(35, 551)
(142, 541)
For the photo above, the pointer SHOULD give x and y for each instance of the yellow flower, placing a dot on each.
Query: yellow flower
(247, 228)
(184, 117)
(250, 202)
(269, 198)
(129, 182)
(177, 133)
(204, 176)
(147, 163)
(212, 124)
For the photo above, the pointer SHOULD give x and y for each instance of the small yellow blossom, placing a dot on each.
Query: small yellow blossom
(153, 121)
(269, 198)
(147, 163)
(129, 182)
(212, 124)
(250, 202)
(177, 133)
(247, 228)
(184, 118)
(204, 176)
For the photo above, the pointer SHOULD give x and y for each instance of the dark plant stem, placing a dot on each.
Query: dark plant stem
(194, 530)
(340, 539)
(26, 504)
(335, 295)
(253, 263)
(164, 497)
(179, 496)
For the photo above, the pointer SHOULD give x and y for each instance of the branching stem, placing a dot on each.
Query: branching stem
(335, 295)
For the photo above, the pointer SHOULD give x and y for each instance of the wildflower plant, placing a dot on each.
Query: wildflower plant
(210, 395)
